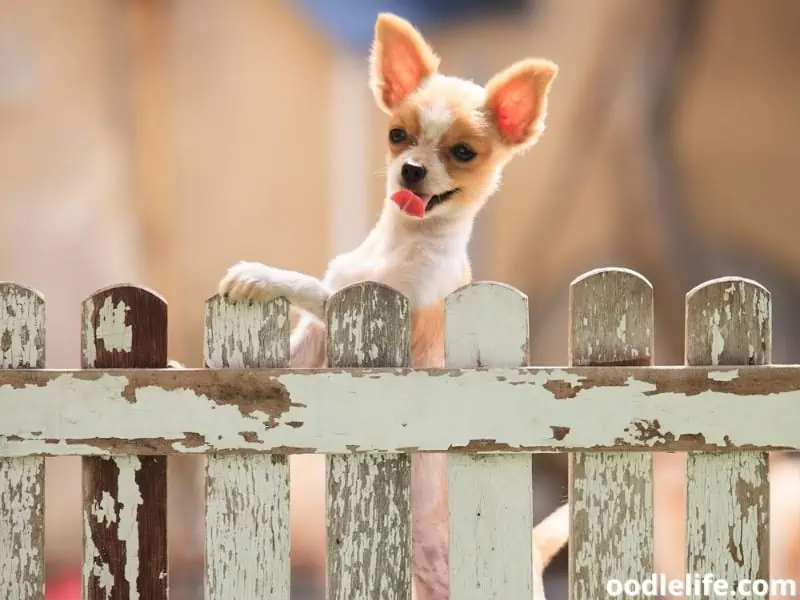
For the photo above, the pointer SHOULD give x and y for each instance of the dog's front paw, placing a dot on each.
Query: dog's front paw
(247, 281)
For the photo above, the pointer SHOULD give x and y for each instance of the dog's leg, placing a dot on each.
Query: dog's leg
(257, 281)
(308, 344)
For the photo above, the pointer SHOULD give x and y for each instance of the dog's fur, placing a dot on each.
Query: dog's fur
(424, 258)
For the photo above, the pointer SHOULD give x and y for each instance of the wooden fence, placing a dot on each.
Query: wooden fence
(123, 412)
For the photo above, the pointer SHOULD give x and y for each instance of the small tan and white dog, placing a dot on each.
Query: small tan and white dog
(449, 140)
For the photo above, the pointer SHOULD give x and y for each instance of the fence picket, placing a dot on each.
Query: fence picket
(125, 497)
(247, 496)
(728, 323)
(489, 496)
(611, 323)
(22, 346)
(368, 501)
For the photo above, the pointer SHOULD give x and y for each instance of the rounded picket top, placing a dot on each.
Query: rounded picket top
(615, 272)
(246, 335)
(486, 324)
(22, 327)
(611, 319)
(368, 326)
(124, 326)
(728, 322)
(11, 287)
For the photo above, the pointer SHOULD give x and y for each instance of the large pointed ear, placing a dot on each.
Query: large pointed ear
(400, 60)
(516, 100)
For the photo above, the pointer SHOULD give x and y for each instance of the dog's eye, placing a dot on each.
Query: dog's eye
(398, 135)
(462, 153)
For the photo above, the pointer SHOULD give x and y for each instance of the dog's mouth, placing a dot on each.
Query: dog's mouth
(418, 205)
(439, 199)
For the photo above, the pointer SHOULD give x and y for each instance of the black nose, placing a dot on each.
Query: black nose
(413, 173)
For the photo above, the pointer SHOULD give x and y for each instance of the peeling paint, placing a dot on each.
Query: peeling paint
(22, 334)
(112, 327)
(93, 565)
(399, 409)
(730, 544)
(622, 328)
(723, 375)
(717, 338)
(105, 510)
(21, 542)
(129, 498)
(22, 328)
(245, 333)
(247, 526)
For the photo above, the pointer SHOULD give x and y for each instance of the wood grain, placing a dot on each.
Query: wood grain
(247, 497)
(728, 322)
(611, 495)
(22, 346)
(490, 497)
(125, 497)
(368, 500)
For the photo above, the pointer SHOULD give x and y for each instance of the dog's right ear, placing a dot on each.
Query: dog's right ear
(399, 62)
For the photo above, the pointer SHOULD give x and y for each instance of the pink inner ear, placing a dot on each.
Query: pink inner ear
(402, 73)
(399, 83)
(514, 108)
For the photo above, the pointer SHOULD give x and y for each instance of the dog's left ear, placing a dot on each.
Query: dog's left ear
(516, 100)
(400, 61)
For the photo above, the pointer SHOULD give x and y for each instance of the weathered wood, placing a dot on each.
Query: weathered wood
(368, 500)
(22, 346)
(490, 497)
(728, 322)
(247, 497)
(125, 497)
(611, 495)
(556, 410)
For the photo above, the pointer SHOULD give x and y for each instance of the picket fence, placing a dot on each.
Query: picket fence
(123, 412)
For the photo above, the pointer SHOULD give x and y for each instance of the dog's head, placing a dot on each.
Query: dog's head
(450, 138)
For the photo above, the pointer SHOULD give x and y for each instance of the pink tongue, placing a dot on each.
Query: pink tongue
(409, 203)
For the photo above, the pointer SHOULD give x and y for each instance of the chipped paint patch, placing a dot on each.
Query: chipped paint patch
(717, 337)
(93, 565)
(105, 511)
(112, 327)
(622, 328)
(129, 498)
(723, 375)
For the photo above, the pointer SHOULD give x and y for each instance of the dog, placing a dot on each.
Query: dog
(449, 140)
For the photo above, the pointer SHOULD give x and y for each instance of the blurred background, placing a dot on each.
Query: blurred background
(159, 141)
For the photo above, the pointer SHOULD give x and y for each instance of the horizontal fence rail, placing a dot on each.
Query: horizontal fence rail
(478, 422)
(167, 411)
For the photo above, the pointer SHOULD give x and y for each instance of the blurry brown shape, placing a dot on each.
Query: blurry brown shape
(152, 156)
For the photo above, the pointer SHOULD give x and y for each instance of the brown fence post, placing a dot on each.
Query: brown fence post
(125, 497)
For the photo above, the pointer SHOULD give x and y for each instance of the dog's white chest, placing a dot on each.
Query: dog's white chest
(421, 274)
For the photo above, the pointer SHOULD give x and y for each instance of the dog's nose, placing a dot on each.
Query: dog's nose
(413, 173)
